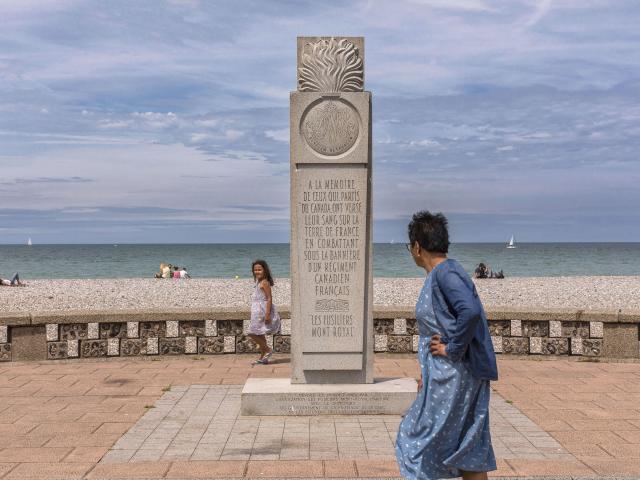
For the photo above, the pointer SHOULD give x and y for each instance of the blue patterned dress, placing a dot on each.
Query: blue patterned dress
(446, 430)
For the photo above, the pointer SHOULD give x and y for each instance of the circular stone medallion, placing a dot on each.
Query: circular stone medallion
(330, 127)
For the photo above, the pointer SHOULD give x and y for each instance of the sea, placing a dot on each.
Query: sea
(231, 260)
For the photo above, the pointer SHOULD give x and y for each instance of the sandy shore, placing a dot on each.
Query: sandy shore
(542, 292)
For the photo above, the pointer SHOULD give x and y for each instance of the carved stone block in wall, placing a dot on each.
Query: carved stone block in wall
(380, 343)
(5, 352)
(245, 345)
(282, 344)
(93, 348)
(153, 329)
(285, 326)
(592, 347)
(555, 346)
(192, 328)
(575, 329)
(73, 331)
(229, 327)
(113, 330)
(400, 326)
(500, 328)
(383, 326)
(56, 350)
(515, 345)
(211, 344)
(171, 346)
(132, 346)
(412, 326)
(400, 343)
(555, 328)
(190, 344)
(535, 329)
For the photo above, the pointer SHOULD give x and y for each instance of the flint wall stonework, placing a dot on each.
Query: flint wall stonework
(221, 331)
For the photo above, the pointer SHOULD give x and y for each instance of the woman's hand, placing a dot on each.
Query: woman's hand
(436, 347)
(420, 383)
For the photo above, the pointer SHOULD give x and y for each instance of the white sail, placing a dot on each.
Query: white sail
(29, 242)
(511, 243)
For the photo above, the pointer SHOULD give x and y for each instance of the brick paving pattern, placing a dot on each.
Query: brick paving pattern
(203, 422)
(59, 419)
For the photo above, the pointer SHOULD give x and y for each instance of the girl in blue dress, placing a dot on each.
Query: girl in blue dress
(445, 433)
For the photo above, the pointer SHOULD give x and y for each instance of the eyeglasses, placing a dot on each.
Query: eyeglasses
(408, 246)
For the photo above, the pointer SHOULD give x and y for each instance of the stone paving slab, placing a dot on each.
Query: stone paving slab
(203, 422)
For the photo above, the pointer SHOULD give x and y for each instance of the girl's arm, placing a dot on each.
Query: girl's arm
(264, 285)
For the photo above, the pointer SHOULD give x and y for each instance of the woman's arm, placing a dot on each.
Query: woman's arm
(264, 285)
(466, 307)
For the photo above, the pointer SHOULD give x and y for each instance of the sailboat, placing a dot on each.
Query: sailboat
(511, 243)
(29, 242)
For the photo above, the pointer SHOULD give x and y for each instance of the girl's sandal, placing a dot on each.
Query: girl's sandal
(264, 360)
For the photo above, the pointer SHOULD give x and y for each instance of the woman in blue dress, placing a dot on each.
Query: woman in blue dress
(445, 433)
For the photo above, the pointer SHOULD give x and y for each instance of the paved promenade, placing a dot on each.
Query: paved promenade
(178, 418)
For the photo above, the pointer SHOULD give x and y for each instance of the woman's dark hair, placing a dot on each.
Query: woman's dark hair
(430, 231)
(267, 272)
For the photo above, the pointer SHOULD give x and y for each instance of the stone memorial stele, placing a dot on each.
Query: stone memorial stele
(331, 246)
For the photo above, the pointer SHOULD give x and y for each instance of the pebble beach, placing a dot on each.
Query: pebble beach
(588, 293)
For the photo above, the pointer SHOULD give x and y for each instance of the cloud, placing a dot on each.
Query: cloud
(156, 119)
(424, 143)
(281, 135)
(535, 101)
(40, 180)
(541, 9)
(459, 5)
(115, 125)
(233, 135)
(201, 137)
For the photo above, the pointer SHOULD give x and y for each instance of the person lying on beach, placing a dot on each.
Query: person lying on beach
(499, 274)
(14, 282)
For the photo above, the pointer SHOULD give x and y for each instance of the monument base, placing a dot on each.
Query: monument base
(278, 396)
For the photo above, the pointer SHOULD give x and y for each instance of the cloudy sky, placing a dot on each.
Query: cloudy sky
(167, 121)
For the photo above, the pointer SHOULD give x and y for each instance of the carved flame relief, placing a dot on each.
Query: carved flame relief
(331, 66)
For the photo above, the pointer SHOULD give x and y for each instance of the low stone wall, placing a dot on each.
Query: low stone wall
(91, 334)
